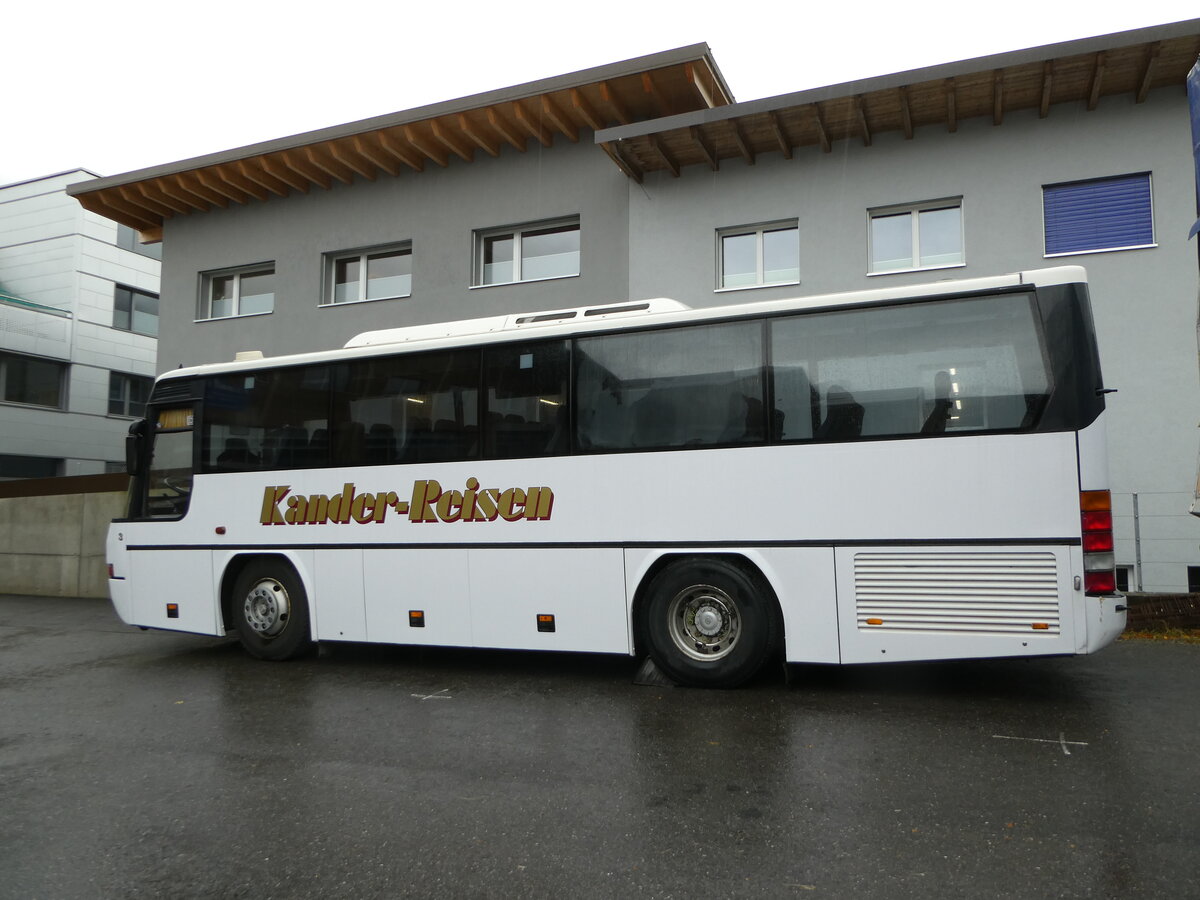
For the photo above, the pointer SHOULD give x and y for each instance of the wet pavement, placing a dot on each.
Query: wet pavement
(144, 764)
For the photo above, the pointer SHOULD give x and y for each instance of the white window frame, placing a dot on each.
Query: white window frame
(516, 232)
(760, 272)
(332, 259)
(914, 209)
(206, 284)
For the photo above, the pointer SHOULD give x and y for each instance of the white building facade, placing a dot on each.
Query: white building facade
(78, 331)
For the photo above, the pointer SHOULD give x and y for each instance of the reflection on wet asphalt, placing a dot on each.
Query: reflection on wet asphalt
(141, 764)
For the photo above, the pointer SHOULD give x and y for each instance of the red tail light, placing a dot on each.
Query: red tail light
(1099, 564)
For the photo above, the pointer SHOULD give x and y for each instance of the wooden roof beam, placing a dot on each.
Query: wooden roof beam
(661, 152)
(1047, 87)
(536, 129)
(781, 138)
(860, 113)
(905, 115)
(283, 169)
(625, 165)
(128, 213)
(369, 151)
(414, 138)
(193, 184)
(997, 96)
(505, 130)
(443, 135)
(1097, 79)
(262, 178)
(740, 140)
(323, 161)
(650, 88)
(1152, 53)
(822, 131)
(152, 235)
(951, 105)
(704, 90)
(178, 191)
(357, 163)
(150, 192)
(241, 182)
(392, 147)
(212, 180)
(702, 145)
(297, 162)
(559, 119)
(467, 127)
(130, 194)
(586, 110)
(609, 96)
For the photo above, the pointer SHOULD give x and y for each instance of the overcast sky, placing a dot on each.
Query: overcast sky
(116, 86)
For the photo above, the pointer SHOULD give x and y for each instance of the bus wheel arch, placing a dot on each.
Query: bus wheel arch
(265, 601)
(707, 619)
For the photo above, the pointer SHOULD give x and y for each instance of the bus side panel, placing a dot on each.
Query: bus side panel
(583, 589)
(181, 577)
(953, 602)
(337, 606)
(803, 580)
(433, 582)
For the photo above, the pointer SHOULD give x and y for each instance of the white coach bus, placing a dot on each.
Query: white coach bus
(915, 473)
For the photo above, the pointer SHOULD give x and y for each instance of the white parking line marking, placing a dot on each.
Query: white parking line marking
(1062, 741)
(440, 695)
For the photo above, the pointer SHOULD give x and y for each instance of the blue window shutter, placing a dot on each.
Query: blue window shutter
(1098, 215)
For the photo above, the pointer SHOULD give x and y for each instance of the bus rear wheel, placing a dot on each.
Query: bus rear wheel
(706, 622)
(270, 611)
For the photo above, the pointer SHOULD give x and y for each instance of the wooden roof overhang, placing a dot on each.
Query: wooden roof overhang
(648, 87)
(1083, 72)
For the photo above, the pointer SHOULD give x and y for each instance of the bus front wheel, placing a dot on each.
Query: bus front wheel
(270, 611)
(707, 622)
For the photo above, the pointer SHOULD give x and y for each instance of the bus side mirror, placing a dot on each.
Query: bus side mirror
(133, 448)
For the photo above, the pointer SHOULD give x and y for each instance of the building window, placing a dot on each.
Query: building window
(380, 274)
(1102, 214)
(238, 292)
(1193, 575)
(12, 467)
(128, 239)
(127, 394)
(759, 255)
(31, 380)
(135, 310)
(528, 253)
(917, 236)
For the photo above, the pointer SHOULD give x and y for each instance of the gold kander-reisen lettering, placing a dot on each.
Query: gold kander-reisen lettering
(428, 503)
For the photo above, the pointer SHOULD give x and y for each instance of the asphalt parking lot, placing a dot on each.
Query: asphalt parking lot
(142, 764)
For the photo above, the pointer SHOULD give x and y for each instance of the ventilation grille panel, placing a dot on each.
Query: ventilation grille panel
(985, 592)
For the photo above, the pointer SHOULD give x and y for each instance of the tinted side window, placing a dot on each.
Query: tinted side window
(526, 412)
(273, 419)
(419, 408)
(683, 387)
(922, 368)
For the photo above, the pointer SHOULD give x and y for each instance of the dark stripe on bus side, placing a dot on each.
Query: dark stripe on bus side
(633, 545)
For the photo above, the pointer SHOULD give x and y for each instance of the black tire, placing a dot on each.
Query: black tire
(707, 622)
(270, 610)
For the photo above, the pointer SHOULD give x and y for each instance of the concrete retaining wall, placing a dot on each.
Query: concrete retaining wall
(52, 534)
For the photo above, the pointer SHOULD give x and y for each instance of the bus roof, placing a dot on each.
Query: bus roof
(638, 313)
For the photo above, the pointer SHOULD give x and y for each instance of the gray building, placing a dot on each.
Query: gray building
(78, 326)
(645, 179)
